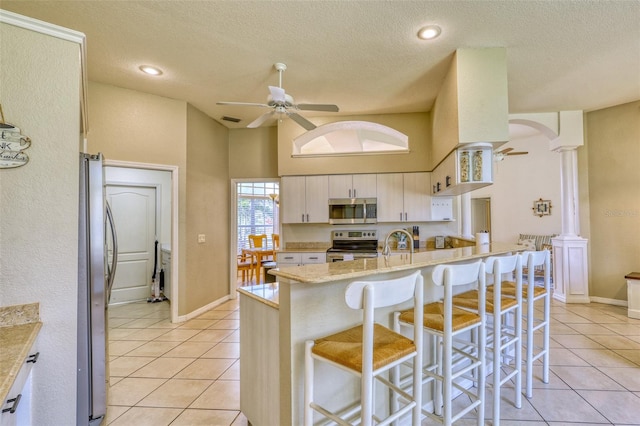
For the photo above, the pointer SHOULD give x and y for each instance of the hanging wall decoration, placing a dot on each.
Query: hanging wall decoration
(541, 207)
(12, 145)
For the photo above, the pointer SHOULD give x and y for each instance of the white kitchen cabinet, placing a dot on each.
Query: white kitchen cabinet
(441, 208)
(390, 197)
(166, 267)
(463, 170)
(352, 186)
(284, 259)
(288, 259)
(310, 258)
(18, 398)
(403, 197)
(304, 199)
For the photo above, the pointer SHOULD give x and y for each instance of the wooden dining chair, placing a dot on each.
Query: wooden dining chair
(276, 241)
(246, 264)
(257, 240)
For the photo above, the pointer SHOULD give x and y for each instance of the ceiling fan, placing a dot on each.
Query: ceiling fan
(500, 155)
(281, 103)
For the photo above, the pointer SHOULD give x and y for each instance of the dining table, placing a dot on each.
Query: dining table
(258, 254)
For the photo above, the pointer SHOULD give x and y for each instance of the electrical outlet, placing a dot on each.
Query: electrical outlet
(201, 238)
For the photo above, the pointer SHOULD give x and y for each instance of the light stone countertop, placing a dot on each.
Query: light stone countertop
(19, 328)
(359, 268)
(266, 293)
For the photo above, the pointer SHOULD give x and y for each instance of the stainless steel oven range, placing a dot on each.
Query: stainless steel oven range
(349, 245)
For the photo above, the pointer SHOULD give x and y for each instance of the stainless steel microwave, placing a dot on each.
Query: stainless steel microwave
(347, 211)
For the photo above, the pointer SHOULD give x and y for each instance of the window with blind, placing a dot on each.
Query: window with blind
(257, 211)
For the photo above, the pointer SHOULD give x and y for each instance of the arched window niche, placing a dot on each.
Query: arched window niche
(350, 138)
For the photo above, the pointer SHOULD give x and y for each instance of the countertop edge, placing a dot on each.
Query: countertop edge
(325, 273)
(17, 358)
(258, 292)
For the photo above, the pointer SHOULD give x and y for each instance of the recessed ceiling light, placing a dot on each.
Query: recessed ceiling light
(147, 69)
(429, 32)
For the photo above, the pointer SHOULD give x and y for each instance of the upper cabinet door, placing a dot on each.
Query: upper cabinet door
(292, 199)
(390, 197)
(417, 202)
(340, 186)
(352, 186)
(317, 199)
(365, 186)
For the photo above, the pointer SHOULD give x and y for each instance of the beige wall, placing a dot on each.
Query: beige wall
(207, 195)
(613, 144)
(40, 91)
(253, 153)
(127, 125)
(415, 125)
(472, 105)
(444, 116)
(519, 180)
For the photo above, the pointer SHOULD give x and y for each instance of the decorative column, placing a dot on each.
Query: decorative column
(465, 215)
(570, 261)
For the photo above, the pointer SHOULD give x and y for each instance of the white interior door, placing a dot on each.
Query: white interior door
(134, 215)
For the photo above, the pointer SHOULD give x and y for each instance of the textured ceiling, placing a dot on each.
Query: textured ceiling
(363, 56)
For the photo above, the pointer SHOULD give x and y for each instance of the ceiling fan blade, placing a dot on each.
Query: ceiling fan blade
(277, 94)
(301, 120)
(318, 107)
(517, 153)
(243, 104)
(258, 121)
(504, 151)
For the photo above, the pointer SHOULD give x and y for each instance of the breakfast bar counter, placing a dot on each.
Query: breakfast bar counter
(310, 304)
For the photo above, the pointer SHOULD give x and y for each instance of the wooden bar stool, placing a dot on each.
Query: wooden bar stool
(535, 323)
(457, 343)
(504, 340)
(368, 351)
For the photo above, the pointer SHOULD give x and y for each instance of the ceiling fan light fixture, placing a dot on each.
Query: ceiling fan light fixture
(148, 69)
(429, 32)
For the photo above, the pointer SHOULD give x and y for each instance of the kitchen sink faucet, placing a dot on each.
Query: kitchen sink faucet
(387, 251)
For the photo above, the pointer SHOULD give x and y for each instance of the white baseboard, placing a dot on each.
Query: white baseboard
(608, 301)
(203, 309)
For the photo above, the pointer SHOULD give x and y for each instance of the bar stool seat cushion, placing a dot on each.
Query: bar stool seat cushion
(434, 317)
(469, 299)
(345, 347)
(509, 289)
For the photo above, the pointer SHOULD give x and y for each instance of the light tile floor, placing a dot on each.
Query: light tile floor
(173, 374)
(188, 374)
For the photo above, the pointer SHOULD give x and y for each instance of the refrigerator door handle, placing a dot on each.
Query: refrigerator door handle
(114, 258)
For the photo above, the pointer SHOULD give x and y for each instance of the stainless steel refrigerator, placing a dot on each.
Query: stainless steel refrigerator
(97, 257)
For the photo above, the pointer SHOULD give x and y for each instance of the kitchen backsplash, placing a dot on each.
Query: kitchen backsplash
(302, 235)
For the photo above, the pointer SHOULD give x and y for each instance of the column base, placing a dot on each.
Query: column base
(570, 269)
